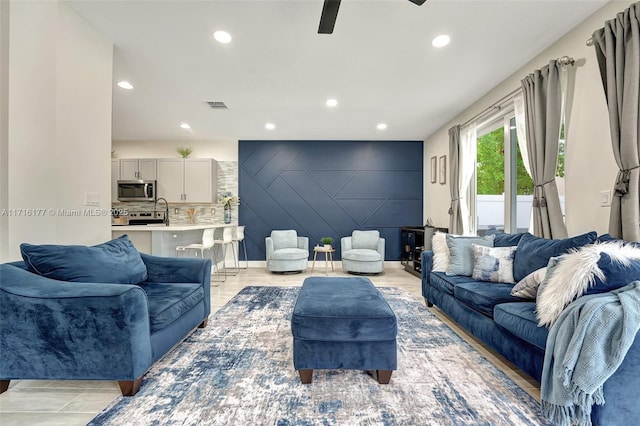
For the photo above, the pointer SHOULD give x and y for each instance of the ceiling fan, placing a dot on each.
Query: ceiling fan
(330, 13)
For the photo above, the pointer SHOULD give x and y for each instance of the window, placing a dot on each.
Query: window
(501, 191)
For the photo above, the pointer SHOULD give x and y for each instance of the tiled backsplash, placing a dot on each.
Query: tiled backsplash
(206, 213)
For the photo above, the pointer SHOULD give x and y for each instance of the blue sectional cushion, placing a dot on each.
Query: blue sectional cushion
(116, 261)
(534, 253)
(342, 309)
(482, 297)
(169, 301)
(520, 319)
(616, 274)
(446, 283)
(461, 253)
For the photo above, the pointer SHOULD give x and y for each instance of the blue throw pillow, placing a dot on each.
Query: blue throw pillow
(607, 238)
(534, 252)
(461, 253)
(116, 261)
(616, 274)
(506, 240)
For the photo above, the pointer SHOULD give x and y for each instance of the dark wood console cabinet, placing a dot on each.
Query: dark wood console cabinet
(414, 241)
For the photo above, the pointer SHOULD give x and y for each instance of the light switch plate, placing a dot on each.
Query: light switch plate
(605, 198)
(91, 198)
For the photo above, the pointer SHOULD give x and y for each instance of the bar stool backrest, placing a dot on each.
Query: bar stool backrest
(207, 238)
(227, 235)
(240, 233)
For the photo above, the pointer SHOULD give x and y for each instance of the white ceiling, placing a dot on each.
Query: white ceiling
(379, 64)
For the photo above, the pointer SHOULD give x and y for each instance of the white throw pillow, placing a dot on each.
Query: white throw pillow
(494, 264)
(575, 273)
(527, 288)
(440, 252)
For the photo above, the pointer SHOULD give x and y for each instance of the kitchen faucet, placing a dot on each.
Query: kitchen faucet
(166, 211)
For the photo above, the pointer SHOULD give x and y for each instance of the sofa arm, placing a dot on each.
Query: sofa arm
(621, 392)
(176, 269)
(70, 330)
(303, 243)
(380, 248)
(180, 270)
(268, 243)
(345, 244)
(427, 265)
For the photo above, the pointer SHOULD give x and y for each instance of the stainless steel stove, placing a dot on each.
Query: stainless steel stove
(140, 218)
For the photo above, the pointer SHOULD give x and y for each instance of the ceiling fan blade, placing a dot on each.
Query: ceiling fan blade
(418, 2)
(328, 17)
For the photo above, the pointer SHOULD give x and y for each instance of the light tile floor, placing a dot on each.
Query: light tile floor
(68, 403)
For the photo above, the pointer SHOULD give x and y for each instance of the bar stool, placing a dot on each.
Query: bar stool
(227, 239)
(239, 238)
(208, 243)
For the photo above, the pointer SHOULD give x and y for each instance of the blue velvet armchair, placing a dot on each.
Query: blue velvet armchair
(57, 330)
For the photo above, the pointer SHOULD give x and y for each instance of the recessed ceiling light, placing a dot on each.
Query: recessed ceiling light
(381, 126)
(222, 37)
(125, 85)
(441, 41)
(185, 126)
(269, 126)
(332, 102)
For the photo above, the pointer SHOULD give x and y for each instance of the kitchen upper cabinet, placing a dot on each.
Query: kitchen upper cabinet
(138, 169)
(188, 180)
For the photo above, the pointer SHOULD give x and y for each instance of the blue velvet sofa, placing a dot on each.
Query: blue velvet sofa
(509, 326)
(52, 329)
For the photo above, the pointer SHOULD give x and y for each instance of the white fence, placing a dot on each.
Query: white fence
(490, 211)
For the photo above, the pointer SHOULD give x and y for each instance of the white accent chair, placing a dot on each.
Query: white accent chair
(286, 252)
(363, 252)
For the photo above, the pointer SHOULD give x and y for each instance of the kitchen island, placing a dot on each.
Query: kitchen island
(161, 240)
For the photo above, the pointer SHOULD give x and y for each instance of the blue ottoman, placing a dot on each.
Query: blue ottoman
(343, 323)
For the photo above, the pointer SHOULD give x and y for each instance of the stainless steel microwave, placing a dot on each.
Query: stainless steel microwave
(137, 190)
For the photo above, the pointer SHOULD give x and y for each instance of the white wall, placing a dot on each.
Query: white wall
(59, 126)
(219, 150)
(590, 167)
(4, 118)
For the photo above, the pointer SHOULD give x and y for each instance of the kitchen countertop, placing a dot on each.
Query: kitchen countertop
(170, 228)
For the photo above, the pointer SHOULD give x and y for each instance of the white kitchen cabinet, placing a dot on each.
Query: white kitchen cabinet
(138, 169)
(115, 175)
(188, 180)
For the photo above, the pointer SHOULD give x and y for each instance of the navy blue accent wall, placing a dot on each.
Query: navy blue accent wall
(328, 189)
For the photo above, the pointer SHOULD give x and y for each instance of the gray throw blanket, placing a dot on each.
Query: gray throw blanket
(575, 364)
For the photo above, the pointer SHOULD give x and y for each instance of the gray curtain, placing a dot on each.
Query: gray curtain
(455, 212)
(618, 52)
(543, 114)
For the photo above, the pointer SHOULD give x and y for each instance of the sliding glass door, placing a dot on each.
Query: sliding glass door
(501, 190)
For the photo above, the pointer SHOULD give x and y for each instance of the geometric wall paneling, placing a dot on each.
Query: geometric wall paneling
(329, 188)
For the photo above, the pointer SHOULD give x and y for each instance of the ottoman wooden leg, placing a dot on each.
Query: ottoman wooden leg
(384, 376)
(306, 376)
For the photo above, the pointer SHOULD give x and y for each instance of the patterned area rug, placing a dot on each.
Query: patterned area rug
(239, 371)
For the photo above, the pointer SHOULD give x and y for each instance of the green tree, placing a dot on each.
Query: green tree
(490, 168)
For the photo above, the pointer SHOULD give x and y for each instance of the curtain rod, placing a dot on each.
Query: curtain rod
(562, 61)
(493, 107)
